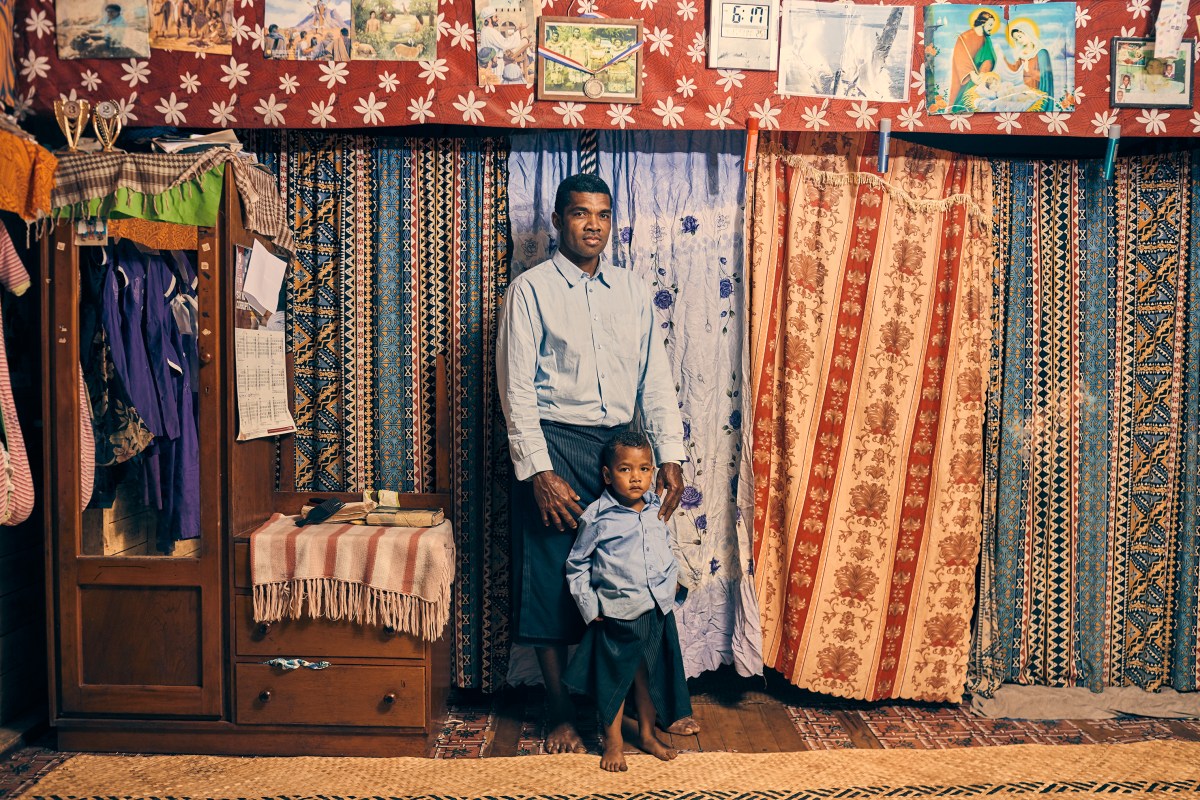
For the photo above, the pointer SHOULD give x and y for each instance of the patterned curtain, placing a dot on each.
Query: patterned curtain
(1092, 536)
(869, 324)
(401, 257)
(678, 222)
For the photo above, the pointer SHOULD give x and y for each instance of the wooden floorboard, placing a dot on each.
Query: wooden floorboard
(510, 710)
(777, 720)
(858, 731)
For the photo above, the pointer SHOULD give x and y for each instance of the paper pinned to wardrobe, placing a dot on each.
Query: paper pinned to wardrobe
(264, 277)
(260, 365)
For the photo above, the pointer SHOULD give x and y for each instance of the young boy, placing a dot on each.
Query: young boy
(622, 574)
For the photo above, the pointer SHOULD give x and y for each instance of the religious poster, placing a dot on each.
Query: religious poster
(308, 30)
(844, 50)
(192, 25)
(395, 30)
(103, 28)
(505, 41)
(1000, 58)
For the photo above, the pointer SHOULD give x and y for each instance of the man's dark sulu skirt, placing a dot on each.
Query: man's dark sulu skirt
(544, 613)
(612, 649)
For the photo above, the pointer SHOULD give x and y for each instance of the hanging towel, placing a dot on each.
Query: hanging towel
(17, 480)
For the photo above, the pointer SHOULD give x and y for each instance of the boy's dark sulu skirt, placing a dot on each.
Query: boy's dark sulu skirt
(544, 613)
(612, 649)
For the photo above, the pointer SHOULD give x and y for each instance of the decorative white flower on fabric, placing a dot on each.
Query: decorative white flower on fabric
(645, 4)
(958, 122)
(686, 9)
(814, 116)
(766, 116)
(34, 66)
(258, 38)
(371, 109)
(1007, 121)
(521, 111)
(321, 111)
(434, 70)
(136, 72)
(685, 87)
(672, 115)
(235, 73)
(246, 4)
(571, 113)
(472, 109)
(125, 107)
(1128, 32)
(239, 30)
(462, 35)
(200, 55)
(421, 108)
(918, 81)
(719, 114)
(547, 4)
(1082, 16)
(661, 40)
(911, 118)
(697, 48)
(38, 23)
(443, 25)
(862, 114)
(335, 73)
(730, 78)
(1102, 121)
(388, 82)
(1079, 95)
(585, 7)
(1138, 8)
(90, 80)
(1056, 121)
(1196, 122)
(24, 104)
(222, 111)
(73, 96)
(288, 84)
(1092, 53)
(172, 110)
(271, 110)
(620, 115)
(1154, 120)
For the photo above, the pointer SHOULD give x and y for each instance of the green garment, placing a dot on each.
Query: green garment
(195, 202)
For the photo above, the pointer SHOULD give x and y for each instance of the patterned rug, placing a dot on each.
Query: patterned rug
(1084, 771)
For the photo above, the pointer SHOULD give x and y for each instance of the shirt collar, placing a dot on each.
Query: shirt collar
(608, 502)
(573, 274)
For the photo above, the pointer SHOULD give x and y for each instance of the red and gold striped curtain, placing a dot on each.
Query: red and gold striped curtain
(869, 335)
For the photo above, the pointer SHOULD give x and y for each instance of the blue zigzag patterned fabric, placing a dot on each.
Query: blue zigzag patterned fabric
(1091, 533)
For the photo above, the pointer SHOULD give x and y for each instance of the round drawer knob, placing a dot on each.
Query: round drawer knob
(389, 698)
(264, 628)
(264, 695)
(205, 357)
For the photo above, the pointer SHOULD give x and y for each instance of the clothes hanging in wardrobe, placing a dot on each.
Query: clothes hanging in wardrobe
(16, 481)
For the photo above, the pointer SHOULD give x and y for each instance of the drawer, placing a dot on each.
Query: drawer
(338, 695)
(306, 637)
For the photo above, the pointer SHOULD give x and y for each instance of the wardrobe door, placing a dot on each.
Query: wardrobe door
(138, 600)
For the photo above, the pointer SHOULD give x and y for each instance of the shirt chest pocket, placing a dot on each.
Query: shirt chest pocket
(618, 334)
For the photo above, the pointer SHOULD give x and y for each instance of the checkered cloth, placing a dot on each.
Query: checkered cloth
(83, 177)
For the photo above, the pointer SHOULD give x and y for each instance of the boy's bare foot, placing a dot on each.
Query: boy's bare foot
(687, 726)
(648, 742)
(613, 757)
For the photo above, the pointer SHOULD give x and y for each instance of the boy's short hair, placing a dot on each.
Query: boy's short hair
(627, 438)
(583, 183)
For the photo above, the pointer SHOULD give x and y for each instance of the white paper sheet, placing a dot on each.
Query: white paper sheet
(264, 277)
(260, 360)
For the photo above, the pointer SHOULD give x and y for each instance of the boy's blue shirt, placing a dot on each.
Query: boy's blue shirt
(621, 565)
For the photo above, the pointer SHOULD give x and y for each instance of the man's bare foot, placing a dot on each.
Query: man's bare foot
(687, 726)
(648, 742)
(613, 757)
(563, 738)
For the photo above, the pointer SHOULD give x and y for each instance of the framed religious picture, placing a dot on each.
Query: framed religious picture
(1140, 79)
(589, 60)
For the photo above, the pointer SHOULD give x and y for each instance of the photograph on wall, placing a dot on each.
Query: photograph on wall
(590, 60)
(102, 28)
(1000, 58)
(395, 30)
(845, 50)
(1141, 79)
(192, 25)
(505, 39)
(308, 30)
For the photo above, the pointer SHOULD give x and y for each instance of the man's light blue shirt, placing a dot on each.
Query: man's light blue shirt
(621, 565)
(582, 351)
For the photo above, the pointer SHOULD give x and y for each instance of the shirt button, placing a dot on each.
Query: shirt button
(599, 347)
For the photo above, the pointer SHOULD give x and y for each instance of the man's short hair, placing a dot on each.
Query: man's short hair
(584, 183)
(982, 17)
(345, 31)
(272, 28)
(629, 437)
(113, 7)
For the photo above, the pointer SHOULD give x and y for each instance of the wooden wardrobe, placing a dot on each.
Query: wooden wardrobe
(159, 653)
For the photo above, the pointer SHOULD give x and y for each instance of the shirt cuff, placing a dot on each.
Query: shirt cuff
(589, 607)
(525, 468)
(670, 452)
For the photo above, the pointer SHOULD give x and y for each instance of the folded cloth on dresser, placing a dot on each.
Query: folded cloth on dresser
(396, 577)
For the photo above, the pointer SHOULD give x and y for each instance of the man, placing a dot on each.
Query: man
(973, 56)
(276, 46)
(342, 45)
(578, 352)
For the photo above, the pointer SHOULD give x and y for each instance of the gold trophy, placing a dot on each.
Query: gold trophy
(106, 121)
(72, 116)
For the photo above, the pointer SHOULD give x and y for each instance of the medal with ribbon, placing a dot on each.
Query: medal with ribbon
(593, 87)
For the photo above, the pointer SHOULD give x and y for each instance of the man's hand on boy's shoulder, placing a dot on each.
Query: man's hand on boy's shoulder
(557, 501)
(669, 488)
